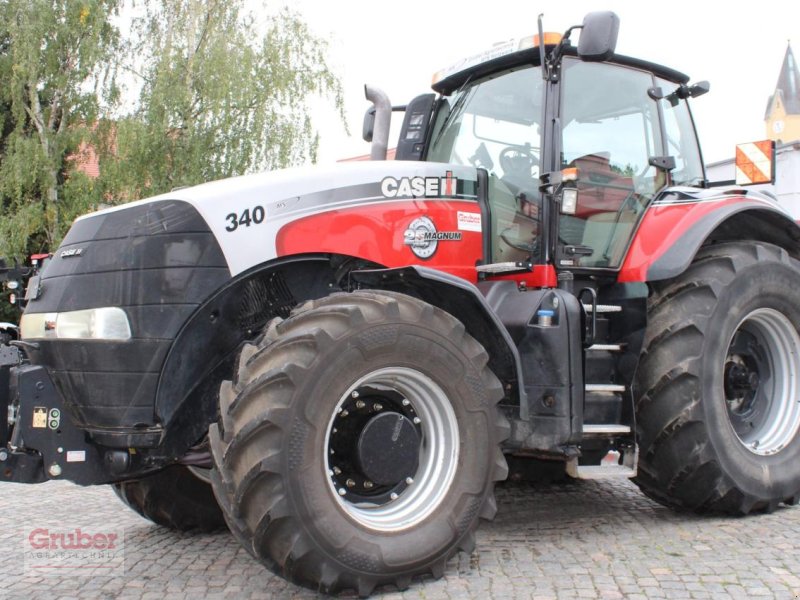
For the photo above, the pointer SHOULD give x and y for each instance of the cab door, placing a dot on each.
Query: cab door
(612, 137)
(495, 124)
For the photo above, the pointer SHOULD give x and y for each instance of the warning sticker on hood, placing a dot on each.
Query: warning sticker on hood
(468, 221)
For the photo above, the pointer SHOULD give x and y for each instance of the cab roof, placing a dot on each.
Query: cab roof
(516, 53)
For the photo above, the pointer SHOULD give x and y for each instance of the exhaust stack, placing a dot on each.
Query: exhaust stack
(382, 120)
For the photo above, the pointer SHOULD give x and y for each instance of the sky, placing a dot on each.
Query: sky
(737, 46)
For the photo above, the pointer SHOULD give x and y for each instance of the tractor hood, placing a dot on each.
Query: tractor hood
(126, 280)
(246, 213)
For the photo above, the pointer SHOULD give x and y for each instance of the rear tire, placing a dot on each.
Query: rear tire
(718, 387)
(308, 479)
(173, 498)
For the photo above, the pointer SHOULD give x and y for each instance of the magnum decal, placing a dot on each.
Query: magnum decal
(423, 238)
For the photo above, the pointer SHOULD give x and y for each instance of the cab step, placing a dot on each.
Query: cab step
(605, 429)
(615, 465)
(604, 387)
(502, 267)
(605, 348)
(602, 308)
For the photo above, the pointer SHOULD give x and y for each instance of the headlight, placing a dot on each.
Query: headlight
(109, 323)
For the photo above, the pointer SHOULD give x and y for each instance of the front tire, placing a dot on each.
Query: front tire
(718, 387)
(359, 442)
(173, 497)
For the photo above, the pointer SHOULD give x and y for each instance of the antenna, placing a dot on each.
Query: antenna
(545, 73)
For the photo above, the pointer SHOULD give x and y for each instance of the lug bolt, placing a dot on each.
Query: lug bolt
(338, 410)
(393, 496)
(333, 451)
(406, 401)
(377, 407)
(337, 471)
(344, 413)
(54, 470)
(342, 491)
(335, 430)
(409, 480)
(368, 485)
(417, 420)
(350, 483)
(360, 404)
(354, 394)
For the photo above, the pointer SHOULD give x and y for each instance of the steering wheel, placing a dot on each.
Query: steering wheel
(518, 162)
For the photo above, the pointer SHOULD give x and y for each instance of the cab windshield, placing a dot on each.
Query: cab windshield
(495, 124)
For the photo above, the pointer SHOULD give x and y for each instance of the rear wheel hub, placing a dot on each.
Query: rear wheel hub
(761, 380)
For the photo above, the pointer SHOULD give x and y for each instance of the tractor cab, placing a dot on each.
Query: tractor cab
(575, 143)
(572, 146)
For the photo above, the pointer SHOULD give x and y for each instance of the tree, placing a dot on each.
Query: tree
(51, 57)
(218, 98)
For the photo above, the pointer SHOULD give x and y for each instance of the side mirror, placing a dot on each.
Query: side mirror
(755, 163)
(699, 88)
(598, 36)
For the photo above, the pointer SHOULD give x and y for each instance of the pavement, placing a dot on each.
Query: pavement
(575, 539)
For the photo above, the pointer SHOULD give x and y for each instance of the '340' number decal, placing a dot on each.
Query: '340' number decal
(254, 216)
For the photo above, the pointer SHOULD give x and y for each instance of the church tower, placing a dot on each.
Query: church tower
(783, 109)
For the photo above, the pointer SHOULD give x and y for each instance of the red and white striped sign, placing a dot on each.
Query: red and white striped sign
(755, 163)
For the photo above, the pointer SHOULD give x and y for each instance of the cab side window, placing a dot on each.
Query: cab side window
(609, 133)
(495, 124)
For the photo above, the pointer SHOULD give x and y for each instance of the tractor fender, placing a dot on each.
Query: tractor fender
(204, 349)
(464, 301)
(677, 225)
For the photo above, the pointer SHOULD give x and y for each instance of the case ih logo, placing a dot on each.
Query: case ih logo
(423, 238)
(419, 187)
(71, 252)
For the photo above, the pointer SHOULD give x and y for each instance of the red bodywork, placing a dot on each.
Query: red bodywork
(375, 232)
(665, 223)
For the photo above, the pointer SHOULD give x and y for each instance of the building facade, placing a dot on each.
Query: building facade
(782, 118)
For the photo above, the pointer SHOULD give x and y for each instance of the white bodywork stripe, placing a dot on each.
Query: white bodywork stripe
(284, 195)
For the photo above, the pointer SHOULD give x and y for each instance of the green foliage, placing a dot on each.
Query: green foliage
(218, 97)
(50, 57)
(628, 171)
